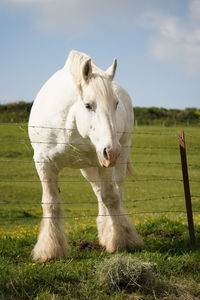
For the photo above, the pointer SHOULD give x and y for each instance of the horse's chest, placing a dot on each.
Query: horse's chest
(75, 154)
(65, 150)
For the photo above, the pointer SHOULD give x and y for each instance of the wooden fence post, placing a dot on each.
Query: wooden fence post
(186, 183)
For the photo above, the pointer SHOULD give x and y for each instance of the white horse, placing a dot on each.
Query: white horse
(82, 119)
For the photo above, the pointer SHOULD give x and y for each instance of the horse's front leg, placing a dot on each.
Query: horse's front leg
(51, 241)
(116, 231)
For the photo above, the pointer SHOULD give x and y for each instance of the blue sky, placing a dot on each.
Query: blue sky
(156, 42)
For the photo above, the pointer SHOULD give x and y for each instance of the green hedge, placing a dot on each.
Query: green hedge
(167, 117)
(19, 112)
(15, 112)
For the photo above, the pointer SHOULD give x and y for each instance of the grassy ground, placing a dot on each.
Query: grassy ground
(161, 221)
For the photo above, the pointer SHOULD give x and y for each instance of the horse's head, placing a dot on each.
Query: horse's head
(96, 110)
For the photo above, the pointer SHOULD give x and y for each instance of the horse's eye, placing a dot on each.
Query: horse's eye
(116, 104)
(88, 106)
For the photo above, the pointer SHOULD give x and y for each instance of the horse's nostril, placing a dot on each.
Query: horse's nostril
(105, 154)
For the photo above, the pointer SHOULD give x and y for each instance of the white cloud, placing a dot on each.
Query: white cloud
(78, 16)
(183, 54)
(73, 15)
(194, 10)
(176, 40)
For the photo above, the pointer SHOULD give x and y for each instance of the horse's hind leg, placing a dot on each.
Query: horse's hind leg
(51, 241)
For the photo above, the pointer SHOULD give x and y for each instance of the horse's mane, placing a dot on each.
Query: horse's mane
(75, 60)
(98, 79)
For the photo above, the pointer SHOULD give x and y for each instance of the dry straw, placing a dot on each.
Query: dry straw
(125, 272)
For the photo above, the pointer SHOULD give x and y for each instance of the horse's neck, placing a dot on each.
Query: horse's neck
(54, 101)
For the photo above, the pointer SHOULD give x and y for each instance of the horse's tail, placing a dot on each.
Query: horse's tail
(130, 170)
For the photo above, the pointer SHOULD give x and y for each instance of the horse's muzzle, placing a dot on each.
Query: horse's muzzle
(109, 157)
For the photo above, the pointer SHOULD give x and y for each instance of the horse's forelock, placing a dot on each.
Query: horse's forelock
(99, 80)
(102, 88)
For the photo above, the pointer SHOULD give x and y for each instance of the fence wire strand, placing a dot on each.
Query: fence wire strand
(73, 129)
(134, 131)
(105, 181)
(94, 216)
(90, 202)
(23, 141)
(94, 164)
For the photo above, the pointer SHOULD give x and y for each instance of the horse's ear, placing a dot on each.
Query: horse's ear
(87, 69)
(112, 69)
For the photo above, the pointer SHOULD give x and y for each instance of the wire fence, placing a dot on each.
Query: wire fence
(13, 162)
(152, 178)
(72, 129)
(93, 202)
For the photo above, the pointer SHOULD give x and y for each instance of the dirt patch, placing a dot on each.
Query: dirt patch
(86, 245)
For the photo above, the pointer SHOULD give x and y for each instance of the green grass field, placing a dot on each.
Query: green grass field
(154, 201)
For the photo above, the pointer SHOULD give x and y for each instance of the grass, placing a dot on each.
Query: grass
(173, 266)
